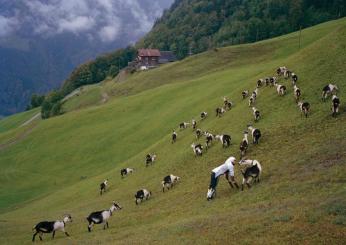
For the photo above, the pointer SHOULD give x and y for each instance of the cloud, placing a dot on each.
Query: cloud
(109, 33)
(7, 25)
(105, 20)
(76, 24)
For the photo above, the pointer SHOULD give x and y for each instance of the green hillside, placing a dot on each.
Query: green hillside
(58, 166)
(198, 25)
(16, 120)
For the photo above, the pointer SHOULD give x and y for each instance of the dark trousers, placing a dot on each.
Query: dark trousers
(213, 181)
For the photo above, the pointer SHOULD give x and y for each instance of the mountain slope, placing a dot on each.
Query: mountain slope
(58, 167)
(198, 25)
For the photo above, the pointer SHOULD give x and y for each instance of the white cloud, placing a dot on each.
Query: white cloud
(7, 25)
(109, 33)
(76, 24)
(106, 20)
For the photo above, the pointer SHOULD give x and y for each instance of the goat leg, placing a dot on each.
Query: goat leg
(33, 237)
(230, 183)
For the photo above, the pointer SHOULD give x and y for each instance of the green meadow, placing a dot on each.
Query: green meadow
(57, 167)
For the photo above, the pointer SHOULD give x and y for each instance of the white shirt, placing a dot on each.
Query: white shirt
(227, 166)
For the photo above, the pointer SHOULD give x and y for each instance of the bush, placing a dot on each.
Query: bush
(52, 105)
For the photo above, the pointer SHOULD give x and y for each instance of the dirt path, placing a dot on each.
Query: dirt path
(31, 119)
(72, 94)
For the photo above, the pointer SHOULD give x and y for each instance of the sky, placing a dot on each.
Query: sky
(99, 20)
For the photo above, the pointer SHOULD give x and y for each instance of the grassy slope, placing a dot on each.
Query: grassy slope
(90, 95)
(16, 120)
(305, 202)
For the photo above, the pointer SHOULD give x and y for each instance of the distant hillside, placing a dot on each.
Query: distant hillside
(196, 25)
(41, 66)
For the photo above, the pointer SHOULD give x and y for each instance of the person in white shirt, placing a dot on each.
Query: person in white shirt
(226, 169)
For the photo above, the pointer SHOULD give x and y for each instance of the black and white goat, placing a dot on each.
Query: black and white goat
(328, 89)
(101, 217)
(141, 195)
(297, 93)
(287, 74)
(103, 186)
(244, 145)
(260, 82)
(126, 171)
(183, 125)
(267, 81)
(220, 111)
(174, 137)
(198, 133)
(228, 105)
(194, 124)
(149, 159)
(256, 114)
(51, 226)
(197, 149)
(281, 70)
(252, 100)
(225, 139)
(335, 105)
(169, 181)
(253, 171)
(208, 139)
(253, 97)
(255, 133)
(304, 108)
(204, 114)
(272, 81)
(255, 93)
(294, 78)
(245, 94)
(281, 89)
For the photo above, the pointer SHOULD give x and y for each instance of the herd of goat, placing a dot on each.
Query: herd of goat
(101, 217)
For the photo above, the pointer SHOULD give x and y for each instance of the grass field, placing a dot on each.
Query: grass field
(15, 121)
(58, 167)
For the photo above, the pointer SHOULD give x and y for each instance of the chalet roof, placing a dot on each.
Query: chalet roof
(167, 56)
(149, 53)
